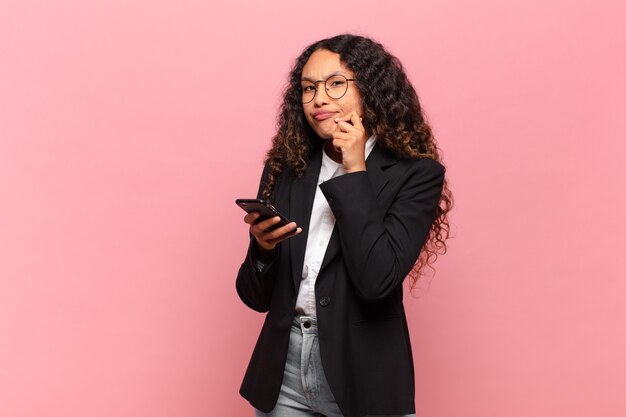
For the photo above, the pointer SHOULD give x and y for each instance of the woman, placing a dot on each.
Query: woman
(356, 169)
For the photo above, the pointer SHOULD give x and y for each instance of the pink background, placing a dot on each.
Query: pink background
(128, 128)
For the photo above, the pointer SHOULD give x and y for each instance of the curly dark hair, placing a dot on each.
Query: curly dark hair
(391, 111)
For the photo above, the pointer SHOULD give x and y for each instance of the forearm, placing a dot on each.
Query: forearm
(379, 248)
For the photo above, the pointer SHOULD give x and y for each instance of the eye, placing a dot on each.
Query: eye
(337, 83)
(308, 88)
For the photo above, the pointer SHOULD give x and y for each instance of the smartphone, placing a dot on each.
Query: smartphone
(264, 208)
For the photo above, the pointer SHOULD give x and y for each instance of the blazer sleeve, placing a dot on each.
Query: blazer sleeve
(255, 286)
(379, 249)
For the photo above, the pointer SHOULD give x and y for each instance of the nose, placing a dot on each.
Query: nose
(321, 96)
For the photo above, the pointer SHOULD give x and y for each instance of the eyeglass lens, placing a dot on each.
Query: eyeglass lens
(336, 87)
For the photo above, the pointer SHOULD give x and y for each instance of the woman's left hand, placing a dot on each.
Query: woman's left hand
(349, 139)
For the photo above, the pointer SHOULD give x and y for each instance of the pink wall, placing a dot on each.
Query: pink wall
(128, 128)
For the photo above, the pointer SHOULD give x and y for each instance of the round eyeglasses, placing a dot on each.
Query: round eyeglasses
(336, 87)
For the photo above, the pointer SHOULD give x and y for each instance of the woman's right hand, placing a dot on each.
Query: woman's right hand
(267, 240)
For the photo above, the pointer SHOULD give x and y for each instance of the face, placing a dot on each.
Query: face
(323, 109)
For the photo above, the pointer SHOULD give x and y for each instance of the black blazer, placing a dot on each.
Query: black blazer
(383, 217)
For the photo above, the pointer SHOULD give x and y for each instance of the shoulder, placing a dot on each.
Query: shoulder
(431, 166)
(386, 158)
(419, 168)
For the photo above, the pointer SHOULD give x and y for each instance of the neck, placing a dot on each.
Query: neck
(331, 151)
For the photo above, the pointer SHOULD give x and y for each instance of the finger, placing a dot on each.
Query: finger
(348, 127)
(355, 119)
(259, 228)
(280, 232)
(287, 236)
(338, 144)
(250, 218)
(345, 126)
(345, 136)
(352, 117)
(341, 143)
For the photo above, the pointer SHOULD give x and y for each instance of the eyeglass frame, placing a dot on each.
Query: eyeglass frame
(326, 88)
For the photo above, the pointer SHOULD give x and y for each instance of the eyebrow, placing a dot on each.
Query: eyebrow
(329, 75)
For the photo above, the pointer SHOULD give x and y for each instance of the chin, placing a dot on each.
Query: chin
(321, 129)
(324, 133)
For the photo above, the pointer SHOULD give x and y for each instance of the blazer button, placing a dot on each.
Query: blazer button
(330, 201)
(324, 301)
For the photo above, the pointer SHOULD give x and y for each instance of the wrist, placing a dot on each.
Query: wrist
(356, 168)
(262, 254)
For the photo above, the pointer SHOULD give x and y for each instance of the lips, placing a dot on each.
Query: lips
(323, 114)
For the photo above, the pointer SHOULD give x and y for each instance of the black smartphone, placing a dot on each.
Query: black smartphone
(264, 208)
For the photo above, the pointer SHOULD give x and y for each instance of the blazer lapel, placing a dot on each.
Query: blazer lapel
(376, 161)
(300, 207)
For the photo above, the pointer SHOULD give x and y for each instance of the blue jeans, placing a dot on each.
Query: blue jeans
(305, 391)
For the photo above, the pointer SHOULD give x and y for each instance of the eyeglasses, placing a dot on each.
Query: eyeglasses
(336, 87)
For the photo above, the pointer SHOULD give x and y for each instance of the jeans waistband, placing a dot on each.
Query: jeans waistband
(304, 324)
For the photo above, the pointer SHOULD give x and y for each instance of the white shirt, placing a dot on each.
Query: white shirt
(320, 230)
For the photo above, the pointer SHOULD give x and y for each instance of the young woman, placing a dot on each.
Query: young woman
(356, 169)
